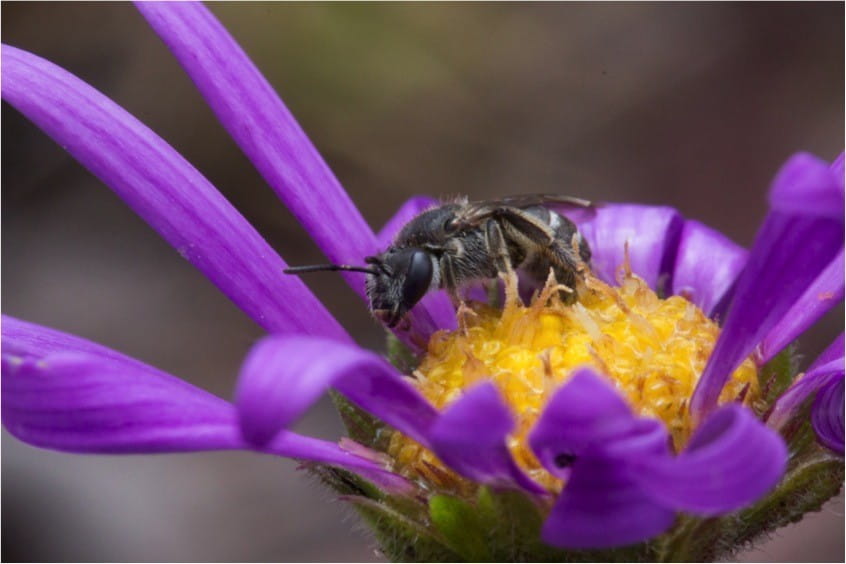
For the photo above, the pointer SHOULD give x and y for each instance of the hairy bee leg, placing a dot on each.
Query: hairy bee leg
(497, 246)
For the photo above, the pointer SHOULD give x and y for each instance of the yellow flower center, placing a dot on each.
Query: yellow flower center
(652, 349)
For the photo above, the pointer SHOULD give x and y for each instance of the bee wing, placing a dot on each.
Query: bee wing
(576, 209)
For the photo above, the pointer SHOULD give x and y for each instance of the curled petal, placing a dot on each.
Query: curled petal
(470, 437)
(586, 411)
(649, 234)
(827, 415)
(588, 436)
(412, 207)
(707, 265)
(602, 506)
(808, 384)
(791, 249)
(284, 375)
(731, 461)
(65, 393)
(823, 294)
(166, 191)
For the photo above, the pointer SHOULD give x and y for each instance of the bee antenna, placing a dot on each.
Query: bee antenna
(328, 267)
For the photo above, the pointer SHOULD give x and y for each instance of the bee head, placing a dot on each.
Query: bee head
(400, 279)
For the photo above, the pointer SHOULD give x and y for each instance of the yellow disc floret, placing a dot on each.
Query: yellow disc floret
(652, 349)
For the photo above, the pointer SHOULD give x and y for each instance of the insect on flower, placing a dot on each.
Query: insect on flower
(457, 243)
(645, 419)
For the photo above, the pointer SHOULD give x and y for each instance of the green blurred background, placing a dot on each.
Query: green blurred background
(694, 106)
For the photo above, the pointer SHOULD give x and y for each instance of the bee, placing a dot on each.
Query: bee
(454, 244)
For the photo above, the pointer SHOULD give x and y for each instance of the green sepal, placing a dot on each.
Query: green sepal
(361, 426)
(402, 538)
(777, 375)
(344, 482)
(461, 526)
(400, 356)
(505, 526)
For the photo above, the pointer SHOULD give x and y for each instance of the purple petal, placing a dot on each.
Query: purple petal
(827, 415)
(791, 401)
(707, 265)
(790, 251)
(837, 168)
(292, 445)
(65, 393)
(831, 352)
(88, 403)
(823, 294)
(470, 435)
(651, 233)
(586, 411)
(731, 461)
(603, 507)
(166, 191)
(284, 375)
(807, 185)
(412, 207)
(30, 341)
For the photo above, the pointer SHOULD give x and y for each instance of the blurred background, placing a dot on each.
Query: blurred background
(693, 106)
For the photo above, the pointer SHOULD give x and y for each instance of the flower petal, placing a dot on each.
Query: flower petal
(791, 401)
(823, 294)
(791, 249)
(731, 461)
(649, 234)
(601, 506)
(837, 168)
(412, 207)
(586, 435)
(88, 403)
(65, 393)
(166, 191)
(831, 352)
(30, 341)
(827, 415)
(469, 436)
(707, 265)
(284, 375)
(586, 411)
(808, 186)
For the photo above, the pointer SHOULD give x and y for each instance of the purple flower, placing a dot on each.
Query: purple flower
(624, 479)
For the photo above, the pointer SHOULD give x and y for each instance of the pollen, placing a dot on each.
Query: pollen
(651, 349)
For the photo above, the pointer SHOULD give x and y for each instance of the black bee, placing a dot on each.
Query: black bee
(454, 244)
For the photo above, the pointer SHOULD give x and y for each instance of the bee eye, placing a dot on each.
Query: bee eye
(417, 278)
(449, 224)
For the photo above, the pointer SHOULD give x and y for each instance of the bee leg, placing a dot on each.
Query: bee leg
(502, 259)
(498, 247)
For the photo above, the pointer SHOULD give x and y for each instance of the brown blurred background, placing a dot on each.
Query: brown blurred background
(694, 106)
